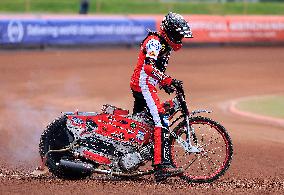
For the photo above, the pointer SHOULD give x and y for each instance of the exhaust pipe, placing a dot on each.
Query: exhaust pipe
(82, 167)
(78, 166)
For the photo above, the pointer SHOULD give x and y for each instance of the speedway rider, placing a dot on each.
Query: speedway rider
(152, 62)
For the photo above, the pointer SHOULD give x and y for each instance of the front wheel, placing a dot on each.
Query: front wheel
(216, 151)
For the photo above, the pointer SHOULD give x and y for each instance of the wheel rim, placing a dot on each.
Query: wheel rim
(213, 158)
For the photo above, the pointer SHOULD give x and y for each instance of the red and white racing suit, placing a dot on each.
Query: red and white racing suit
(149, 71)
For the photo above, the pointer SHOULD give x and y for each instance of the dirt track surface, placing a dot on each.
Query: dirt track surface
(37, 85)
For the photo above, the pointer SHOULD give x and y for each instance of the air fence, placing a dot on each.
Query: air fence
(64, 30)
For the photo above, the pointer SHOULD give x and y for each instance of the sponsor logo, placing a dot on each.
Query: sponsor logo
(163, 47)
(152, 54)
(77, 121)
(140, 135)
(91, 125)
(133, 125)
(124, 122)
(15, 31)
(118, 135)
(130, 131)
(166, 120)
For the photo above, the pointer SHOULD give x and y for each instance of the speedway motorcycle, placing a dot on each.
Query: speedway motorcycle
(116, 143)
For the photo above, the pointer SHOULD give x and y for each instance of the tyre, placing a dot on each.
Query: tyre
(56, 136)
(216, 151)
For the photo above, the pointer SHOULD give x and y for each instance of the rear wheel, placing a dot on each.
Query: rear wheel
(56, 136)
(216, 151)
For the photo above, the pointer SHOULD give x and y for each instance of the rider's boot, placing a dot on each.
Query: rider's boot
(163, 165)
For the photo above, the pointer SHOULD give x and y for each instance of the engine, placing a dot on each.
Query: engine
(131, 161)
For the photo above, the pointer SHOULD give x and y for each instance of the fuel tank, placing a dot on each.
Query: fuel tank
(119, 127)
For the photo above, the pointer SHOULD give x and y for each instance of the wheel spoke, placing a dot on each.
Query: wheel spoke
(215, 154)
(210, 161)
(191, 163)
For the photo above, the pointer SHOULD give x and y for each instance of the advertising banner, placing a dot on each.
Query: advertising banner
(121, 30)
(111, 29)
(222, 29)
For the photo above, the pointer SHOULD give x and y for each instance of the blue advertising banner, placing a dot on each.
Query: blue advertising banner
(74, 31)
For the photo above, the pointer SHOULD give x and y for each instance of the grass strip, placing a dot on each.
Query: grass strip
(272, 106)
(141, 7)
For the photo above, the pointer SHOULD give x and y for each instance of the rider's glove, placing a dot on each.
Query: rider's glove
(176, 84)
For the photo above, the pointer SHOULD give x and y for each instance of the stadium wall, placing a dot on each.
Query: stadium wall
(45, 30)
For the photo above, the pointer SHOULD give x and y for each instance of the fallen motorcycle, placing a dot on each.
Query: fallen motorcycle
(114, 142)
